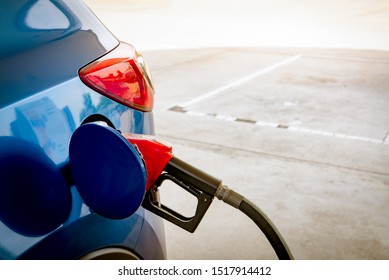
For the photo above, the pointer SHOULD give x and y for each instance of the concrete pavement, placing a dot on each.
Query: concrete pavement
(306, 141)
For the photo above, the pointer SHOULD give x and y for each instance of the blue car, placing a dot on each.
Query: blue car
(59, 69)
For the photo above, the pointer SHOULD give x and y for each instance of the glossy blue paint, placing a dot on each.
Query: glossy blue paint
(87, 234)
(43, 101)
(34, 197)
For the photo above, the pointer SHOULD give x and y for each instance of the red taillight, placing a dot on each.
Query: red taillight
(122, 75)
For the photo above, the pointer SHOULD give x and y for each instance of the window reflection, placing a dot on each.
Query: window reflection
(44, 15)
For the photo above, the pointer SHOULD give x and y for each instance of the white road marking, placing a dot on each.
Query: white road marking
(182, 108)
(284, 127)
(239, 82)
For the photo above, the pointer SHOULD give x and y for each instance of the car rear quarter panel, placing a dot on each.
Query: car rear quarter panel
(42, 99)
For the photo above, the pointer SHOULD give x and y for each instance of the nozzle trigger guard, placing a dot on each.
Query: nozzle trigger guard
(190, 224)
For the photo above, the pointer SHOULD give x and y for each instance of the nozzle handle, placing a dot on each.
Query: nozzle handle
(196, 182)
(151, 202)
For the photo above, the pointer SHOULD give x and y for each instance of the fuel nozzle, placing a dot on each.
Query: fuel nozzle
(162, 165)
(115, 173)
(200, 184)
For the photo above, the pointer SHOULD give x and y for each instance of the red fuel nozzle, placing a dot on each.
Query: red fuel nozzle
(156, 154)
(161, 165)
(158, 158)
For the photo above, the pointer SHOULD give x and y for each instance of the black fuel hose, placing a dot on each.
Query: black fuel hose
(267, 227)
(206, 184)
(259, 218)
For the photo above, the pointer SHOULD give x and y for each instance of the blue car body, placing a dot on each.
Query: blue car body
(43, 45)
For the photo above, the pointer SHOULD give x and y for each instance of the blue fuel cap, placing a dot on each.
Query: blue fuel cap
(107, 170)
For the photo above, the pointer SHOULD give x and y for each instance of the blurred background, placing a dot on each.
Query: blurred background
(287, 102)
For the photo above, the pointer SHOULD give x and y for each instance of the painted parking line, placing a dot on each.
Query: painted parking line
(238, 82)
(183, 107)
(280, 126)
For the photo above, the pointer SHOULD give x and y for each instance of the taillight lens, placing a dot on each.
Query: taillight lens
(123, 76)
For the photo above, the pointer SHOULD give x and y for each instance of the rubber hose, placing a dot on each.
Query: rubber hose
(263, 222)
